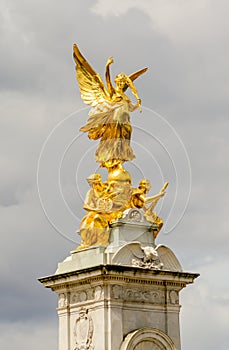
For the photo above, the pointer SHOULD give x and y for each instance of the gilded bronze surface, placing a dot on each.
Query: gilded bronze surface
(109, 122)
(109, 118)
(140, 200)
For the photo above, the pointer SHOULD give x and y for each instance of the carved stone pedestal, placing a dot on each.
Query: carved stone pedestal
(121, 297)
(110, 307)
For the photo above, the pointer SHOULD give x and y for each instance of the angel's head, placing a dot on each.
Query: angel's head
(121, 80)
(145, 185)
(95, 181)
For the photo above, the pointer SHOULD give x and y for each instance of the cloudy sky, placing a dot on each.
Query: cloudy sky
(181, 136)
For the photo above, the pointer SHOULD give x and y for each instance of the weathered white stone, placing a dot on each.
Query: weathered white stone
(80, 259)
(147, 339)
(168, 259)
(132, 227)
(117, 300)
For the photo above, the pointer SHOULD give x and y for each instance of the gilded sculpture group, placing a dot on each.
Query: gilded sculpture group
(109, 121)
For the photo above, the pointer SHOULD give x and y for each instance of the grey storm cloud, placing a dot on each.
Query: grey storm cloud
(185, 46)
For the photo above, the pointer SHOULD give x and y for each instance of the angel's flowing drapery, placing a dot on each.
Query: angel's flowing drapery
(111, 124)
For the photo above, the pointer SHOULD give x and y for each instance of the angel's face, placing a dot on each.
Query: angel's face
(145, 186)
(120, 84)
(120, 81)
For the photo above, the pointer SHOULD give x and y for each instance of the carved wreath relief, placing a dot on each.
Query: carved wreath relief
(137, 294)
(95, 293)
(83, 331)
(135, 216)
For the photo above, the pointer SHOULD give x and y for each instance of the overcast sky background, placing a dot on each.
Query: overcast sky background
(185, 45)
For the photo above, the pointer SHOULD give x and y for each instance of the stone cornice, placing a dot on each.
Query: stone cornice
(120, 274)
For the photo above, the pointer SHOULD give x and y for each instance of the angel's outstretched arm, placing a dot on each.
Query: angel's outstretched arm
(110, 87)
(132, 107)
(134, 91)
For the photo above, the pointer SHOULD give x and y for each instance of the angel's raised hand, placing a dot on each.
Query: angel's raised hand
(110, 61)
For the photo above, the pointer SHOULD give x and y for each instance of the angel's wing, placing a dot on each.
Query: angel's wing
(91, 85)
(134, 76)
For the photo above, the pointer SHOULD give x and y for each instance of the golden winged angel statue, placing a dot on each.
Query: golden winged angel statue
(109, 118)
(109, 122)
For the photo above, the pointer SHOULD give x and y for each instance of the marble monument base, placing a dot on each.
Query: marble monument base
(110, 307)
(121, 297)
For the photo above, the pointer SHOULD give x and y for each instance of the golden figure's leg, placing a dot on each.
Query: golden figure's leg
(158, 222)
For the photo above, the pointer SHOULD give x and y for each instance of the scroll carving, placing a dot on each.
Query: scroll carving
(135, 294)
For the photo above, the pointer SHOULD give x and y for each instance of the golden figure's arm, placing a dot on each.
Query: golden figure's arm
(89, 204)
(134, 91)
(134, 76)
(130, 84)
(156, 197)
(110, 87)
(133, 107)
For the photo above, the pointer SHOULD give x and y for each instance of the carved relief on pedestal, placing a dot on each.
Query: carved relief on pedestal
(83, 331)
(62, 302)
(90, 294)
(134, 215)
(174, 297)
(74, 297)
(155, 265)
(134, 254)
(80, 296)
(98, 293)
(83, 296)
(143, 295)
(148, 260)
(157, 297)
(137, 294)
(117, 291)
